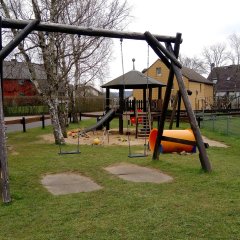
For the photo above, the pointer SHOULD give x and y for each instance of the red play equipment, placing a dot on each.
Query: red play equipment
(133, 119)
(167, 147)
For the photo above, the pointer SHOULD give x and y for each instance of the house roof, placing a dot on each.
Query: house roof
(188, 73)
(19, 70)
(14, 70)
(194, 76)
(133, 80)
(227, 77)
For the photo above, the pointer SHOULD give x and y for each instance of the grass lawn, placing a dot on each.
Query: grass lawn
(196, 205)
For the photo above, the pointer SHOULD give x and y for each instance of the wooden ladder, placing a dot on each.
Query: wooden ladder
(143, 124)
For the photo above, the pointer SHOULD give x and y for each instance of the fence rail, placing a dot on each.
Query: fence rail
(222, 123)
(25, 120)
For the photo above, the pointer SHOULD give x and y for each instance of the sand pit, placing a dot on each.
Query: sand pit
(113, 138)
(66, 183)
(134, 173)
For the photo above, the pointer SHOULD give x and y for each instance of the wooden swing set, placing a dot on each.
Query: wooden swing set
(167, 54)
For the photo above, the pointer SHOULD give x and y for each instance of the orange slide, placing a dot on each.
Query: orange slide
(168, 147)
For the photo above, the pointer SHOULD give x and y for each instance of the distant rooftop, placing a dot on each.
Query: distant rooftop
(133, 80)
(19, 70)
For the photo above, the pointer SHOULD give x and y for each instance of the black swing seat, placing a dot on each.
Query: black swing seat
(77, 151)
(136, 155)
(70, 152)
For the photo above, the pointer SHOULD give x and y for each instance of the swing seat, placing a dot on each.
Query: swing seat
(77, 151)
(136, 155)
(70, 152)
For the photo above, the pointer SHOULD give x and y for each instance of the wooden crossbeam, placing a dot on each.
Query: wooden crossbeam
(85, 31)
(183, 141)
(20, 36)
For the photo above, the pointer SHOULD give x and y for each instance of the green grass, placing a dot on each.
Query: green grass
(228, 125)
(196, 205)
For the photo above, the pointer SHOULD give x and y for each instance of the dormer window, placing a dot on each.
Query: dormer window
(214, 80)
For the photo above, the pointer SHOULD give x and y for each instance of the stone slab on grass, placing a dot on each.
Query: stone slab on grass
(136, 173)
(66, 183)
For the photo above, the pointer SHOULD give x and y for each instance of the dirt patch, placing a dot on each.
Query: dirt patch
(134, 173)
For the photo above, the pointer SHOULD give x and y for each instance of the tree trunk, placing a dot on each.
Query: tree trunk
(4, 178)
(63, 123)
(57, 130)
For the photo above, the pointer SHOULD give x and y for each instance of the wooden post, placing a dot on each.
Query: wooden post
(175, 70)
(153, 43)
(43, 121)
(23, 122)
(4, 178)
(121, 109)
(150, 98)
(205, 163)
(163, 115)
(144, 100)
(107, 108)
(178, 109)
(160, 93)
(173, 110)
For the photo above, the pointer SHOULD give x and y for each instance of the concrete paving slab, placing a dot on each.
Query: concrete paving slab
(66, 183)
(134, 173)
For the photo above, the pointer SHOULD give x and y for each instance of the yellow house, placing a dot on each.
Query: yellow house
(201, 88)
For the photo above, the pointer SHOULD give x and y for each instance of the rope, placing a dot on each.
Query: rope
(123, 72)
(148, 107)
(123, 80)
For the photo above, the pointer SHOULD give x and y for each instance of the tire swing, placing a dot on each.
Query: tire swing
(145, 151)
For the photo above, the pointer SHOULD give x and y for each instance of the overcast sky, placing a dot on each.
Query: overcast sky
(202, 23)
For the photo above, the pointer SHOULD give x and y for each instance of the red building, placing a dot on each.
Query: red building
(17, 79)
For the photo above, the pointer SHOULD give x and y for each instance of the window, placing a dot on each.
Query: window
(200, 87)
(158, 71)
(21, 81)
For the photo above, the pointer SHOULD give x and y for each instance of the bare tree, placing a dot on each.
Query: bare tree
(234, 40)
(194, 63)
(66, 59)
(216, 54)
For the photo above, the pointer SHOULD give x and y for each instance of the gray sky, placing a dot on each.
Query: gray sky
(202, 23)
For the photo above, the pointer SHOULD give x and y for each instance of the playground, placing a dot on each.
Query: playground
(119, 208)
(129, 196)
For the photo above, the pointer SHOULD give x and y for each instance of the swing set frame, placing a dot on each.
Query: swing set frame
(167, 54)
